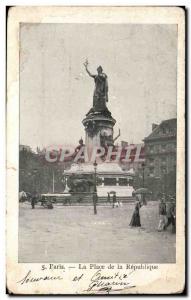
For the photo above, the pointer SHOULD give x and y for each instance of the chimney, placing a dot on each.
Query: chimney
(154, 126)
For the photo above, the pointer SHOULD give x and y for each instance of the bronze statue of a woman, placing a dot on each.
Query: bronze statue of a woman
(100, 96)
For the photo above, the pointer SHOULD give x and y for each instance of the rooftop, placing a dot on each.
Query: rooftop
(165, 129)
(102, 168)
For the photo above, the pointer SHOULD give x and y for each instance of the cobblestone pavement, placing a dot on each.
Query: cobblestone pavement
(75, 234)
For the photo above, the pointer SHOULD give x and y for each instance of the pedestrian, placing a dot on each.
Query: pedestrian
(49, 204)
(95, 202)
(162, 214)
(114, 199)
(143, 199)
(108, 198)
(116, 204)
(173, 210)
(135, 220)
(171, 215)
(140, 198)
(33, 200)
(43, 200)
(120, 204)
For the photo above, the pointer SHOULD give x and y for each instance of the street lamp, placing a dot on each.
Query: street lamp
(157, 186)
(95, 188)
(143, 169)
(95, 174)
(63, 177)
(165, 180)
(34, 172)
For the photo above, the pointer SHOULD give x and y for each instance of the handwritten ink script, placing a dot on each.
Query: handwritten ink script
(104, 279)
(99, 282)
(104, 283)
(30, 278)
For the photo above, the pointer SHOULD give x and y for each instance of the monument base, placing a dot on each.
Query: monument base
(110, 178)
(99, 129)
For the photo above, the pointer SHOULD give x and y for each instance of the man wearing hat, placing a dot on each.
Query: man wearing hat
(171, 214)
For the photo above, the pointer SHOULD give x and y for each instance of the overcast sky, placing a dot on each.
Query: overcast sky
(56, 92)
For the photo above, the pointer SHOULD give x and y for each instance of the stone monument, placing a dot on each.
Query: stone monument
(99, 125)
(98, 122)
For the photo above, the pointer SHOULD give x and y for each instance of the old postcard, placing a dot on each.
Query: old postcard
(96, 150)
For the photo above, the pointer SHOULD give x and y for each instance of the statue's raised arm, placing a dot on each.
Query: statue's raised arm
(86, 66)
(100, 96)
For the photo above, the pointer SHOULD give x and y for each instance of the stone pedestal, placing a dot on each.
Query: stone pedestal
(110, 176)
(99, 130)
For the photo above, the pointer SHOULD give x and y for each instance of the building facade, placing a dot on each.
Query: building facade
(136, 156)
(160, 155)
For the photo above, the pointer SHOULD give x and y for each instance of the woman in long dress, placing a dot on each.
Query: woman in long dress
(135, 220)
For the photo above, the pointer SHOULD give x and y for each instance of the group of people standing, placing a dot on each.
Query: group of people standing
(45, 203)
(115, 202)
(167, 209)
(167, 213)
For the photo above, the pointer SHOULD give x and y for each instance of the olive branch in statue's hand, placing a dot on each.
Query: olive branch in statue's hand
(86, 63)
(86, 66)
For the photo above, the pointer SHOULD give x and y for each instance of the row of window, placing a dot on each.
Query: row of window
(167, 130)
(114, 181)
(161, 147)
(162, 159)
(162, 168)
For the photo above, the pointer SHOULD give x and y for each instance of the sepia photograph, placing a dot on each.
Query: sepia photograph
(98, 136)
(97, 147)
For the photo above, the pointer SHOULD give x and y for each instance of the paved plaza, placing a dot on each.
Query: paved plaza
(74, 234)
